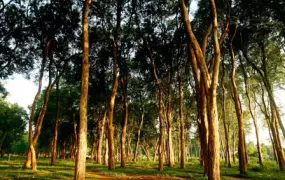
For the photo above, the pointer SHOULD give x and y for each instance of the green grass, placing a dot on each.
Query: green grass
(64, 169)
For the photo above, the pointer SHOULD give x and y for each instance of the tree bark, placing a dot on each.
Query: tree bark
(182, 127)
(170, 157)
(111, 161)
(80, 167)
(227, 154)
(241, 141)
(54, 141)
(125, 122)
(210, 80)
(106, 150)
(31, 119)
(139, 133)
(100, 140)
(260, 159)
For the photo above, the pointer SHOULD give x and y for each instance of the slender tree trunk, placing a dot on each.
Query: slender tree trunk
(111, 161)
(234, 148)
(129, 155)
(155, 149)
(161, 130)
(94, 145)
(260, 159)
(100, 140)
(54, 141)
(170, 157)
(227, 154)
(125, 122)
(106, 150)
(139, 134)
(182, 128)
(241, 142)
(80, 167)
(31, 119)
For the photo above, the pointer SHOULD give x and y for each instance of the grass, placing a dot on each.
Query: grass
(64, 169)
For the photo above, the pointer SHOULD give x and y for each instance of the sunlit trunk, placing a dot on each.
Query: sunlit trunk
(54, 141)
(241, 140)
(80, 167)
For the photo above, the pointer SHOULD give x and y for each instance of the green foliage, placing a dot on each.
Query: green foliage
(13, 120)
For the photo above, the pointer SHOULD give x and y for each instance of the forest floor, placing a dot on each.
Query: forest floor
(143, 170)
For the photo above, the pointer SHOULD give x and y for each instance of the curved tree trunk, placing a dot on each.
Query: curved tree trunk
(54, 141)
(241, 141)
(111, 161)
(260, 159)
(210, 80)
(45, 52)
(79, 172)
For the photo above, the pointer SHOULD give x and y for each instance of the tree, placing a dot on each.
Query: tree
(12, 123)
(79, 172)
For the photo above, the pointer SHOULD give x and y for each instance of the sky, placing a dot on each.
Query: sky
(21, 90)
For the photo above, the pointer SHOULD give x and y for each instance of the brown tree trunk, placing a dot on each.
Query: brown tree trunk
(234, 147)
(210, 80)
(273, 124)
(106, 150)
(227, 154)
(63, 150)
(129, 155)
(139, 133)
(182, 128)
(100, 140)
(80, 167)
(111, 161)
(161, 130)
(241, 141)
(260, 159)
(31, 119)
(75, 137)
(125, 122)
(170, 157)
(54, 141)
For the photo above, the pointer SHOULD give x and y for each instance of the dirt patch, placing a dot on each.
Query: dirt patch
(149, 177)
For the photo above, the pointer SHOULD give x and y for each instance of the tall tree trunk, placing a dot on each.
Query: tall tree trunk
(54, 141)
(111, 161)
(106, 150)
(129, 154)
(241, 141)
(274, 131)
(228, 156)
(267, 84)
(210, 80)
(100, 140)
(80, 167)
(31, 119)
(234, 148)
(161, 130)
(260, 160)
(139, 133)
(170, 157)
(125, 122)
(182, 128)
